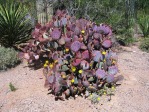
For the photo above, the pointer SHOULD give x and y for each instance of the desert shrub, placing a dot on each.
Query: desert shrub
(79, 55)
(143, 21)
(15, 28)
(145, 45)
(125, 36)
(8, 58)
(12, 87)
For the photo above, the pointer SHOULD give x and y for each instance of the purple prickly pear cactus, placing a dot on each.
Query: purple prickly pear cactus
(55, 34)
(75, 46)
(100, 73)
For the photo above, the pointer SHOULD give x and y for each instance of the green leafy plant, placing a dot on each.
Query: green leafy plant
(8, 58)
(143, 21)
(15, 27)
(12, 87)
(125, 36)
(145, 45)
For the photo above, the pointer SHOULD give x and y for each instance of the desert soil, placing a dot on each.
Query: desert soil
(31, 96)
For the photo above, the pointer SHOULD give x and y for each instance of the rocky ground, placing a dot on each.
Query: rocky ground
(31, 96)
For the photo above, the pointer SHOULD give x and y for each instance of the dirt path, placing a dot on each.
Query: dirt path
(31, 96)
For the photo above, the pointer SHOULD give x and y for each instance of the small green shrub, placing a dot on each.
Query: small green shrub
(145, 45)
(12, 87)
(8, 58)
(143, 21)
(126, 37)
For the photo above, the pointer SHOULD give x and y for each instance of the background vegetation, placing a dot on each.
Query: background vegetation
(125, 16)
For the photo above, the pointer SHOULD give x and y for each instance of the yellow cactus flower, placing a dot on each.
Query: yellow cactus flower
(47, 62)
(103, 52)
(63, 76)
(73, 69)
(113, 88)
(55, 61)
(67, 50)
(98, 98)
(51, 65)
(104, 93)
(113, 62)
(80, 71)
(26, 62)
(72, 81)
(104, 60)
(91, 95)
(82, 31)
(91, 64)
(45, 65)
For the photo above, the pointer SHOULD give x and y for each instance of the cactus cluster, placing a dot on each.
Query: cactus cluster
(79, 58)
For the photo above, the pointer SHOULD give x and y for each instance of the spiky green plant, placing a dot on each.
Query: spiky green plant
(143, 21)
(15, 27)
(145, 45)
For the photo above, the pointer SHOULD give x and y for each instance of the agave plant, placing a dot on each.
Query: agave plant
(79, 58)
(15, 28)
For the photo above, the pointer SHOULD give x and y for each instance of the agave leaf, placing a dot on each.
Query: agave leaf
(15, 27)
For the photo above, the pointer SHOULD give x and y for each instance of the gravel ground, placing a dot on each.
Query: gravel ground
(31, 96)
